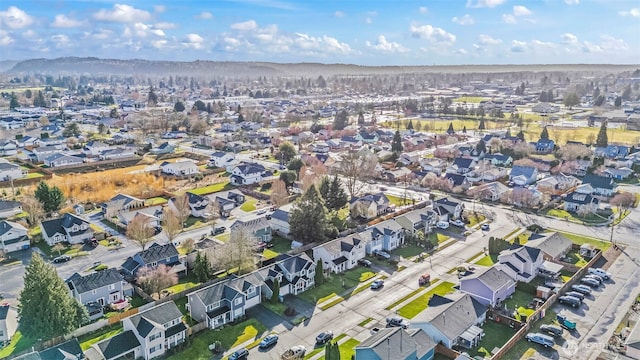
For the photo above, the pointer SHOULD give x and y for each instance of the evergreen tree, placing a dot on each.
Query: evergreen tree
(603, 139)
(202, 268)
(450, 130)
(464, 129)
(618, 102)
(276, 290)
(319, 277)
(481, 147)
(39, 100)
(50, 197)
(520, 135)
(308, 220)
(396, 144)
(46, 309)
(341, 120)
(410, 125)
(481, 126)
(152, 97)
(508, 133)
(360, 118)
(338, 197)
(544, 135)
(178, 107)
(13, 103)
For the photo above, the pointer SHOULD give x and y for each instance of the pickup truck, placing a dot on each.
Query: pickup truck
(296, 352)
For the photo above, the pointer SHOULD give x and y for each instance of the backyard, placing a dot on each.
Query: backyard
(183, 284)
(579, 240)
(106, 332)
(420, 303)
(18, 344)
(496, 335)
(519, 300)
(336, 284)
(574, 257)
(280, 245)
(525, 349)
(212, 188)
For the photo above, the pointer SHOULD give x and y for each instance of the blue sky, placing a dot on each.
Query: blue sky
(366, 32)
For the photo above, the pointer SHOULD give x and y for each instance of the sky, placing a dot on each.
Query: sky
(363, 32)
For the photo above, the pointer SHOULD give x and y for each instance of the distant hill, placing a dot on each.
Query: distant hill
(96, 66)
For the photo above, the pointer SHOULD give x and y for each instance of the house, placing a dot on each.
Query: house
(498, 159)
(632, 343)
(445, 207)
(396, 343)
(227, 201)
(521, 263)
(612, 151)
(489, 287)
(462, 165)
(221, 159)
(492, 191)
(367, 138)
(417, 220)
(120, 203)
(8, 148)
(157, 329)
(545, 108)
(398, 174)
(153, 256)
(164, 148)
(225, 302)
(103, 288)
(43, 152)
(151, 215)
(179, 168)
(13, 236)
(387, 235)
(458, 180)
(247, 174)
(618, 174)
(69, 349)
(409, 158)
(581, 203)
(60, 159)
(198, 205)
(280, 221)
(118, 153)
(67, 228)
(454, 320)
(125, 345)
(553, 245)
(340, 254)
(523, 175)
(8, 323)
(10, 171)
(369, 206)
(29, 141)
(258, 229)
(433, 165)
(559, 182)
(601, 185)
(294, 273)
(94, 148)
(544, 146)
(9, 208)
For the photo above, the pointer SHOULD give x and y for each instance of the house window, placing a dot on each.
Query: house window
(251, 291)
(154, 264)
(112, 287)
(155, 336)
(237, 301)
(93, 292)
(215, 305)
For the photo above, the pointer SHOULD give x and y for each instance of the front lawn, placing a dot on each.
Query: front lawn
(277, 307)
(437, 238)
(336, 284)
(408, 251)
(194, 222)
(579, 240)
(495, 335)
(420, 303)
(229, 336)
(249, 205)
(212, 188)
(488, 260)
(347, 349)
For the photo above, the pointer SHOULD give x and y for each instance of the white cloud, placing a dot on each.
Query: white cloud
(433, 34)
(518, 46)
(142, 30)
(62, 21)
(423, 10)
(520, 10)
(488, 40)
(542, 44)
(122, 13)
(569, 38)
(193, 41)
(590, 48)
(612, 44)
(159, 8)
(14, 18)
(635, 12)
(368, 20)
(338, 14)
(205, 15)
(5, 38)
(248, 25)
(484, 3)
(466, 19)
(316, 45)
(461, 52)
(382, 44)
(509, 19)
(61, 41)
(159, 44)
(165, 25)
(100, 34)
(572, 2)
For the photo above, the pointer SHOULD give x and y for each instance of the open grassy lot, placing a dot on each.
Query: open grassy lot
(617, 135)
(336, 284)
(212, 188)
(469, 99)
(579, 239)
(229, 336)
(417, 305)
(496, 335)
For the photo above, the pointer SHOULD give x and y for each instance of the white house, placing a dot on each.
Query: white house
(247, 174)
(340, 254)
(68, 228)
(521, 263)
(280, 221)
(13, 236)
(60, 159)
(94, 148)
(179, 168)
(117, 153)
(221, 159)
(8, 148)
(10, 171)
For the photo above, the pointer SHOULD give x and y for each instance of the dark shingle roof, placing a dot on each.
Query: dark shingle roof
(599, 181)
(8, 205)
(4, 310)
(119, 344)
(51, 227)
(158, 252)
(67, 350)
(161, 314)
(94, 281)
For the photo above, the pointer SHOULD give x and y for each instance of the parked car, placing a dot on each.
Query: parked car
(583, 289)
(262, 211)
(554, 330)
(599, 279)
(397, 322)
(542, 339)
(374, 330)
(485, 227)
(296, 352)
(239, 354)
(458, 223)
(377, 284)
(383, 254)
(442, 224)
(570, 300)
(590, 282)
(598, 271)
(218, 230)
(268, 341)
(575, 294)
(324, 337)
(62, 259)
(364, 262)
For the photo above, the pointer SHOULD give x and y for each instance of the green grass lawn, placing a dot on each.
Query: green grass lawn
(365, 321)
(276, 307)
(496, 335)
(488, 260)
(398, 201)
(229, 336)
(280, 245)
(89, 339)
(224, 237)
(33, 175)
(184, 283)
(137, 301)
(212, 188)
(337, 284)
(559, 213)
(408, 251)
(469, 99)
(404, 298)
(524, 348)
(249, 205)
(579, 239)
(520, 299)
(417, 305)
(437, 238)
(269, 254)
(180, 303)
(574, 257)
(194, 222)
(473, 219)
(18, 344)
(347, 348)
(156, 201)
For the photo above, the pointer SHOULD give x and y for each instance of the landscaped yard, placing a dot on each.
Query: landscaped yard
(574, 257)
(18, 344)
(496, 335)
(89, 339)
(525, 348)
(347, 349)
(520, 299)
(437, 238)
(337, 284)
(212, 188)
(229, 336)
(579, 239)
(488, 260)
(249, 205)
(417, 305)
(184, 283)
(408, 251)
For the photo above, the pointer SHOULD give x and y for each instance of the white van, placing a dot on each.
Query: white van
(442, 224)
(597, 271)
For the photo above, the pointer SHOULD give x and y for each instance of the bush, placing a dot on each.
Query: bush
(290, 311)
(535, 228)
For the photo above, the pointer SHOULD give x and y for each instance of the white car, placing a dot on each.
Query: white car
(598, 271)
(442, 224)
(458, 223)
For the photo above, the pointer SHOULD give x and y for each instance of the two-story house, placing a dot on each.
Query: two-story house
(462, 165)
(179, 168)
(258, 229)
(294, 273)
(581, 202)
(13, 236)
(553, 245)
(67, 228)
(369, 206)
(417, 220)
(544, 146)
(601, 185)
(340, 254)
(43, 152)
(396, 343)
(448, 209)
(489, 287)
(387, 235)
(8, 148)
(227, 201)
(523, 175)
(157, 329)
(612, 151)
(153, 256)
(221, 159)
(520, 263)
(120, 203)
(247, 174)
(224, 302)
(8, 323)
(151, 215)
(104, 288)
(10, 171)
(280, 221)
(492, 191)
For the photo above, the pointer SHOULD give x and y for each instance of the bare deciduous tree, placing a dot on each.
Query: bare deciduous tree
(574, 151)
(140, 230)
(171, 223)
(356, 168)
(181, 206)
(623, 200)
(239, 253)
(154, 280)
(495, 144)
(279, 194)
(188, 245)
(33, 208)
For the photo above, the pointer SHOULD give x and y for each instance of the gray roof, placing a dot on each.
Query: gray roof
(6, 226)
(553, 244)
(453, 316)
(599, 181)
(119, 344)
(228, 289)
(526, 171)
(67, 350)
(95, 280)
(633, 340)
(492, 278)
(147, 320)
(8, 205)
(281, 215)
(158, 252)
(346, 243)
(51, 227)
(4, 310)
(397, 344)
